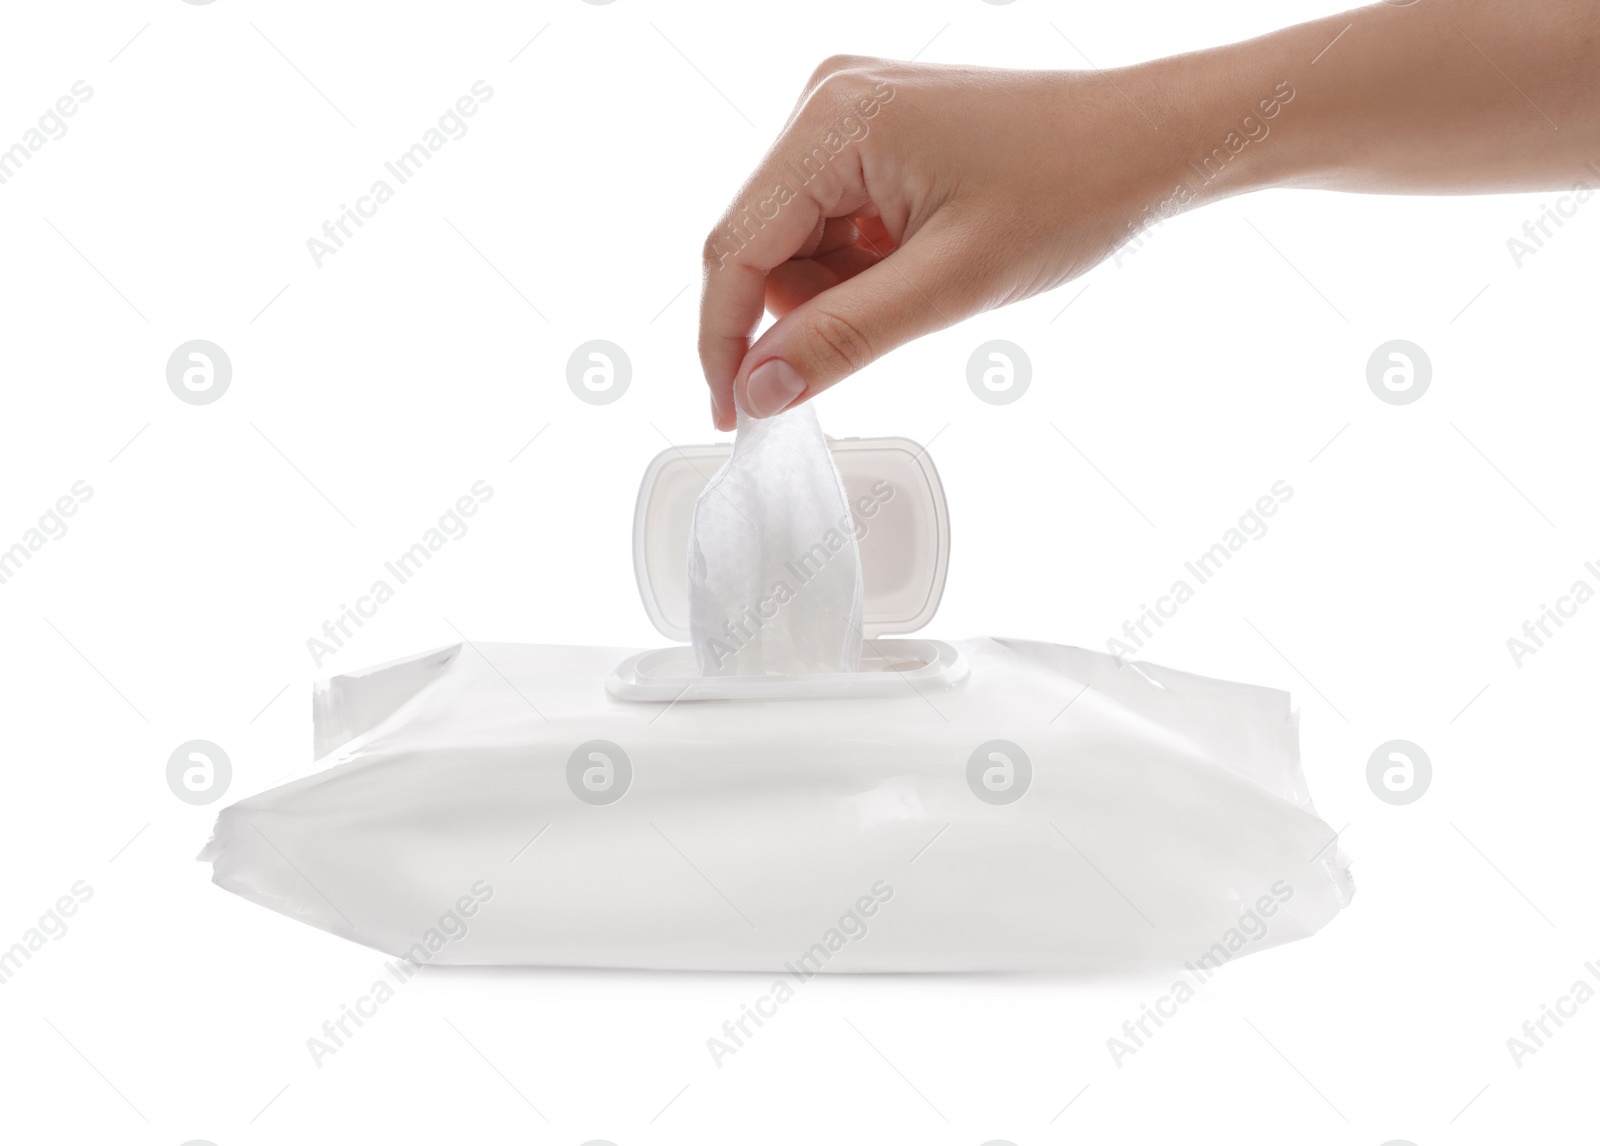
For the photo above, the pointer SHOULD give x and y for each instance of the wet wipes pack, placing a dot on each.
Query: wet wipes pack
(1144, 826)
(972, 805)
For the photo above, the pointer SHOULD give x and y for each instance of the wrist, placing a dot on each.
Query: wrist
(1231, 121)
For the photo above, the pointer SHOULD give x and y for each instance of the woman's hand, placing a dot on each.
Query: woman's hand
(902, 198)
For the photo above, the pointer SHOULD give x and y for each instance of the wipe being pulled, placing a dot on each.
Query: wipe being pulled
(774, 566)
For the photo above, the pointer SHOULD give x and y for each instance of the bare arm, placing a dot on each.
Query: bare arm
(900, 198)
(1434, 96)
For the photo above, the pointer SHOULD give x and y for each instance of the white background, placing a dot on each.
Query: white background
(369, 394)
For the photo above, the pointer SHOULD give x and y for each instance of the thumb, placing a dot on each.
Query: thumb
(831, 335)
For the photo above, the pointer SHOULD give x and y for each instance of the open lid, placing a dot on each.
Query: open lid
(895, 496)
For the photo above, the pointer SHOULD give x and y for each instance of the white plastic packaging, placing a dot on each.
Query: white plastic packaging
(976, 805)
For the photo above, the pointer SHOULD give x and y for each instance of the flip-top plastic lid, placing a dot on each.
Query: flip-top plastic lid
(901, 520)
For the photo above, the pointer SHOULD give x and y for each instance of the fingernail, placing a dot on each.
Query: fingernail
(772, 386)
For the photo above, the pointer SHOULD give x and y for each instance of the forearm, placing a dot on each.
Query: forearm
(1436, 96)
(957, 190)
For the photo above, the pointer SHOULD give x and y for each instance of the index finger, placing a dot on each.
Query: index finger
(776, 216)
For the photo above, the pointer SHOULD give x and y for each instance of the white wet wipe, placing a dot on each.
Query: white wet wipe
(774, 567)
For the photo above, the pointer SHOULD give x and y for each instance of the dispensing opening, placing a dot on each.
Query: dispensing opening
(895, 497)
(891, 667)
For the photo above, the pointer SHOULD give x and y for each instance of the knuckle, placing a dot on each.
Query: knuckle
(711, 253)
(841, 345)
(838, 89)
(834, 65)
(718, 247)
